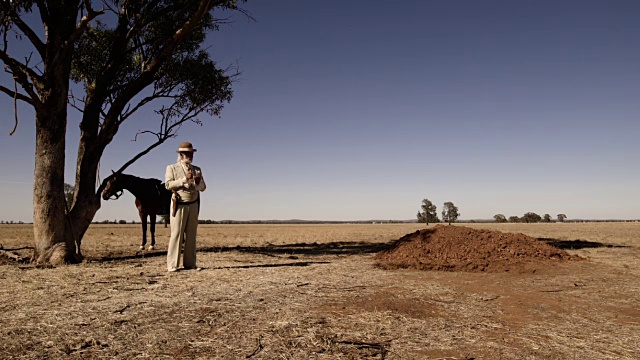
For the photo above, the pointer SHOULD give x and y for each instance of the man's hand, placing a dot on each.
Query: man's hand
(189, 175)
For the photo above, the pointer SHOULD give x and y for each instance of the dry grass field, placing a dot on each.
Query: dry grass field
(313, 292)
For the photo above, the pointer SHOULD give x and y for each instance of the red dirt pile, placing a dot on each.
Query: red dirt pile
(457, 248)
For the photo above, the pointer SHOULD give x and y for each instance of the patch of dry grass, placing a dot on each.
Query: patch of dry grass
(312, 292)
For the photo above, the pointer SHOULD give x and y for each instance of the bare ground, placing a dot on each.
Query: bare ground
(313, 292)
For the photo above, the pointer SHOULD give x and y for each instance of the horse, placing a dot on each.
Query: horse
(152, 199)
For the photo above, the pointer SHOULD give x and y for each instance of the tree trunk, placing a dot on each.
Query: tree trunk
(87, 201)
(54, 241)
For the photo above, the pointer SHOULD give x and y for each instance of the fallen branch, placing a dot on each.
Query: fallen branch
(13, 256)
(258, 348)
(122, 310)
(361, 344)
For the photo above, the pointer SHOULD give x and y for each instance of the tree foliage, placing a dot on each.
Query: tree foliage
(546, 218)
(531, 217)
(561, 217)
(514, 219)
(500, 218)
(450, 212)
(428, 213)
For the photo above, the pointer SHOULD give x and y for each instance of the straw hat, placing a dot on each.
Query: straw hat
(186, 147)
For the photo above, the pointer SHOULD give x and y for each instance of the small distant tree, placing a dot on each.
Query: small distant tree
(546, 218)
(165, 219)
(68, 195)
(514, 219)
(500, 218)
(428, 213)
(450, 212)
(531, 217)
(561, 217)
(123, 222)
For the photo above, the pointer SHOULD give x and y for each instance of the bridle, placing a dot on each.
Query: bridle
(116, 195)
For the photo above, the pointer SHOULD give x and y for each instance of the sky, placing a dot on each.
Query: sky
(358, 110)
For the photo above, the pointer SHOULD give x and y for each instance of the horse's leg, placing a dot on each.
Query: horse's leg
(143, 218)
(152, 219)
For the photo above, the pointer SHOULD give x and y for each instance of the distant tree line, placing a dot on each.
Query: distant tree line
(529, 217)
(240, 222)
(121, 222)
(302, 222)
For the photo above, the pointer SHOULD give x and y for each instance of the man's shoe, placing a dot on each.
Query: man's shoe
(172, 270)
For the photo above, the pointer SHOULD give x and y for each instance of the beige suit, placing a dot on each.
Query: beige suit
(184, 225)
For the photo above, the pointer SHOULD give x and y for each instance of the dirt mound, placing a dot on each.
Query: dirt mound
(457, 248)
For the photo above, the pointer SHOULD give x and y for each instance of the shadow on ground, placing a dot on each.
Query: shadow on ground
(291, 251)
(314, 249)
(299, 263)
(578, 244)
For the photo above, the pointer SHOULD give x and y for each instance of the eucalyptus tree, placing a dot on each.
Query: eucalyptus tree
(531, 217)
(450, 212)
(428, 213)
(122, 56)
(500, 218)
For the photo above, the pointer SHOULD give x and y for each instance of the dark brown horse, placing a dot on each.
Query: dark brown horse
(152, 199)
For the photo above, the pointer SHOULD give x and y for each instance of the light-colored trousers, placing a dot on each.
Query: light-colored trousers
(183, 226)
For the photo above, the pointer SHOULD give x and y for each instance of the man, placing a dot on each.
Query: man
(185, 181)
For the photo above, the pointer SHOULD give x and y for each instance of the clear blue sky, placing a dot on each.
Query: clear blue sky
(354, 110)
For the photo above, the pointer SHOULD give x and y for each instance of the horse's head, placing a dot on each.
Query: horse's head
(114, 188)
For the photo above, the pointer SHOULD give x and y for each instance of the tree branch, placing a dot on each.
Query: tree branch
(72, 101)
(141, 154)
(16, 95)
(44, 12)
(84, 22)
(111, 123)
(22, 72)
(15, 107)
(31, 35)
(165, 134)
(140, 104)
(170, 45)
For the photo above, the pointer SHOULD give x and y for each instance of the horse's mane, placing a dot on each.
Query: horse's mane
(149, 180)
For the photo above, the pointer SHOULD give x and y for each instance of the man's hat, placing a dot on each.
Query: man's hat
(186, 147)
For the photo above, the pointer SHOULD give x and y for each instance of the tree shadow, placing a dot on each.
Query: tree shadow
(303, 249)
(578, 244)
(299, 263)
